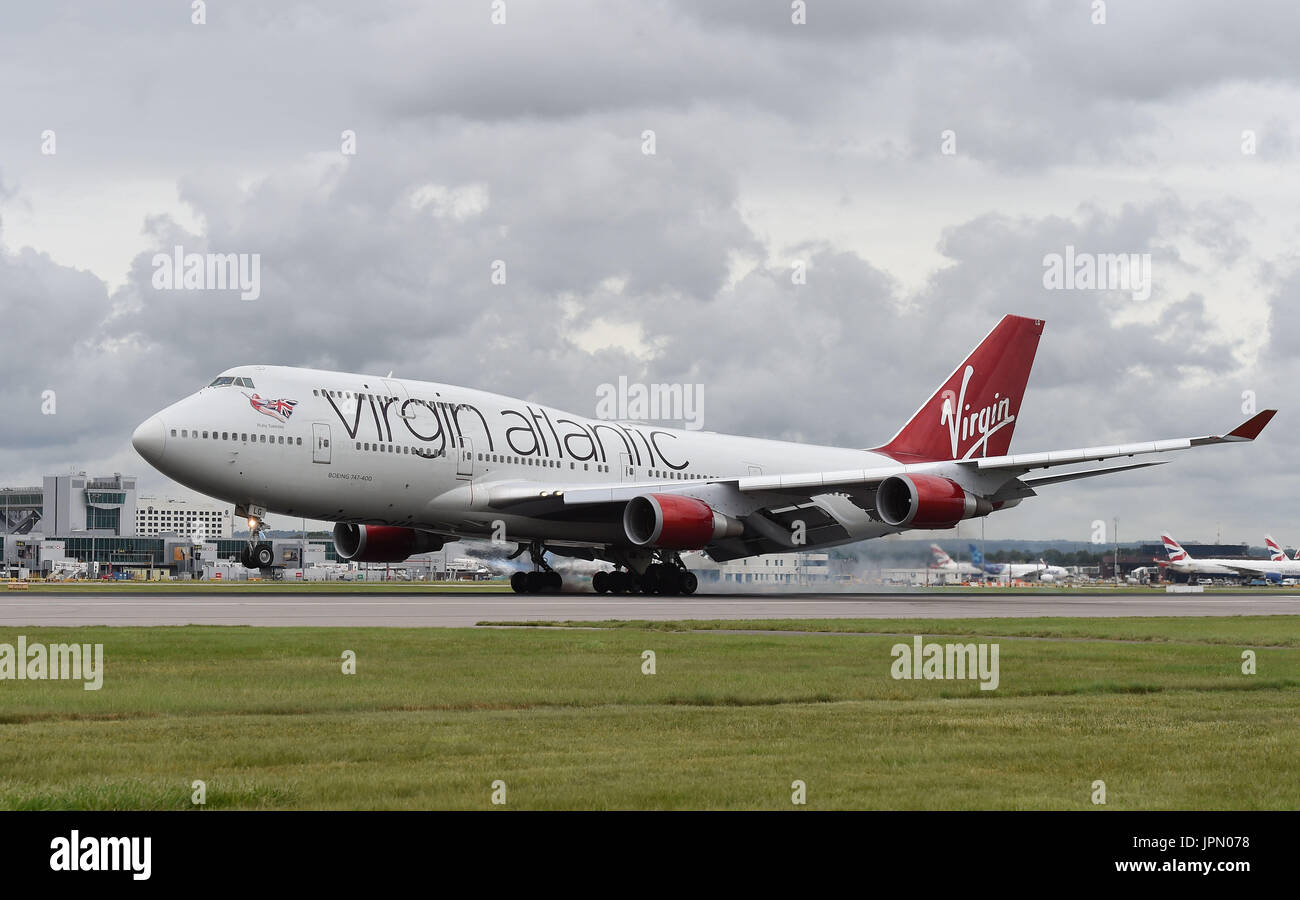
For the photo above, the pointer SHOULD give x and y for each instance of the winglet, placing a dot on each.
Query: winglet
(1250, 429)
(1246, 431)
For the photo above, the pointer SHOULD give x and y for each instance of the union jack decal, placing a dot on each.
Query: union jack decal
(280, 409)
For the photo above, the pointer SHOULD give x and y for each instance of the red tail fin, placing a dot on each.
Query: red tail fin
(974, 412)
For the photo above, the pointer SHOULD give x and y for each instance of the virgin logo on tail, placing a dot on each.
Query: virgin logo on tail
(963, 424)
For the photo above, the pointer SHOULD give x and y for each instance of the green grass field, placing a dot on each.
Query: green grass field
(1157, 708)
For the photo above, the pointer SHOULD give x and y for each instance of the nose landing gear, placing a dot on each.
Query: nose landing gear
(256, 554)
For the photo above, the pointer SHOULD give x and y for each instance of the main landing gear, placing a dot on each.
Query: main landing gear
(543, 579)
(668, 576)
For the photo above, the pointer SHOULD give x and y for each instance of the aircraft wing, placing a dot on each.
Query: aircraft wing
(1014, 464)
(809, 484)
(1246, 567)
(1246, 431)
(824, 502)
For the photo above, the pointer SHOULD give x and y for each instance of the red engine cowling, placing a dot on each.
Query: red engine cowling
(926, 501)
(673, 522)
(382, 543)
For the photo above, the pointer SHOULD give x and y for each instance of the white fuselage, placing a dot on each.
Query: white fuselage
(355, 448)
(1028, 570)
(1191, 566)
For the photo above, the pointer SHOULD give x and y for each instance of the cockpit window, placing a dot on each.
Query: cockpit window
(227, 380)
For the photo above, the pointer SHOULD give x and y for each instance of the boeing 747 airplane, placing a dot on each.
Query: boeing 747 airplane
(404, 466)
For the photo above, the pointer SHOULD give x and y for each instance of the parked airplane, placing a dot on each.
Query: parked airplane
(1275, 568)
(1039, 571)
(405, 466)
(946, 564)
(1181, 561)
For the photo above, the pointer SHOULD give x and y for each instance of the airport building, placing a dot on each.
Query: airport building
(170, 515)
(107, 506)
(21, 509)
(774, 568)
(75, 503)
(71, 504)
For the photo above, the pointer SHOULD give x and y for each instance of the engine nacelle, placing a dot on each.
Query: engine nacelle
(674, 522)
(382, 543)
(926, 501)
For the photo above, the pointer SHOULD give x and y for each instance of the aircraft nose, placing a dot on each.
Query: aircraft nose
(149, 438)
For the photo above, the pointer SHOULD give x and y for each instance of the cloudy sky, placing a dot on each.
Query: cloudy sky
(918, 159)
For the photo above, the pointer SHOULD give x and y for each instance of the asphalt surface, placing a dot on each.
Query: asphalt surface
(456, 610)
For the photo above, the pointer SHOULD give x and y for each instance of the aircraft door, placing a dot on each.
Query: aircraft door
(465, 459)
(320, 443)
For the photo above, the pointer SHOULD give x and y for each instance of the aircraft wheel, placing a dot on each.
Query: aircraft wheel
(689, 582)
(619, 582)
(651, 582)
(600, 582)
(552, 583)
(672, 581)
(534, 581)
(263, 556)
(246, 557)
(519, 582)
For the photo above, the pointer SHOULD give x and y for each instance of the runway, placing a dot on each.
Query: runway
(460, 610)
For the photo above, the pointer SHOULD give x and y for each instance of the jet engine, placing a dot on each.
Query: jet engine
(674, 522)
(926, 501)
(382, 543)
